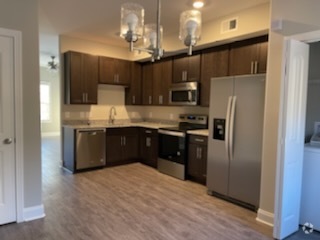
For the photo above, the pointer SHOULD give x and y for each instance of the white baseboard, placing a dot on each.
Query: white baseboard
(50, 134)
(33, 213)
(265, 217)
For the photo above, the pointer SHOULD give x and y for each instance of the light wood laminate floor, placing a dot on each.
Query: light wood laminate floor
(130, 202)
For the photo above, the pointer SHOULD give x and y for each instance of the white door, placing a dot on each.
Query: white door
(7, 146)
(289, 175)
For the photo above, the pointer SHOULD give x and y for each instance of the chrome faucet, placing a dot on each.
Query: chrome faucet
(112, 113)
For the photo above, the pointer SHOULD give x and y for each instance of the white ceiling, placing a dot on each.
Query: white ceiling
(99, 20)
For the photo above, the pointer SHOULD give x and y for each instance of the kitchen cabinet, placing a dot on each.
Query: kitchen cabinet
(149, 146)
(197, 158)
(114, 71)
(133, 92)
(147, 83)
(249, 56)
(162, 78)
(81, 78)
(122, 145)
(186, 69)
(214, 63)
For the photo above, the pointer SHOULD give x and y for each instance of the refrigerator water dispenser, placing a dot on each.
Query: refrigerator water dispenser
(219, 128)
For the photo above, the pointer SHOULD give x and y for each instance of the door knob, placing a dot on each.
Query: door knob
(7, 141)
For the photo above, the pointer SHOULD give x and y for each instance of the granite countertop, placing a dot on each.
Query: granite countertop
(201, 132)
(154, 125)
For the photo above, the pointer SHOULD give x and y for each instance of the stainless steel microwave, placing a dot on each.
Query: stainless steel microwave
(184, 93)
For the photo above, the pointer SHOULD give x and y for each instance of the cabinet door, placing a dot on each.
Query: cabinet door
(214, 63)
(262, 59)
(162, 77)
(249, 56)
(113, 149)
(147, 79)
(149, 147)
(193, 72)
(74, 85)
(194, 164)
(133, 92)
(130, 147)
(122, 72)
(106, 70)
(81, 78)
(180, 67)
(242, 57)
(90, 75)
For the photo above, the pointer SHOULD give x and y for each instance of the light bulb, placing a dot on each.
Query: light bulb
(153, 39)
(191, 27)
(132, 21)
(198, 4)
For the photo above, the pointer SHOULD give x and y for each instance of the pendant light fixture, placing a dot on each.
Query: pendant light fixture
(133, 29)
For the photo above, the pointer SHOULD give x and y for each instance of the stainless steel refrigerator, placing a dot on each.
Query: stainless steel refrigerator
(235, 138)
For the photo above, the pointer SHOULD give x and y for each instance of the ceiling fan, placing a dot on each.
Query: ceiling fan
(52, 64)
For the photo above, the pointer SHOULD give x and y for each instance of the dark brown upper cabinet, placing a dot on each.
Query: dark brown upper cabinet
(114, 71)
(214, 63)
(162, 79)
(186, 69)
(81, 78)
(133, 92)
(147, 83)
(249, 56)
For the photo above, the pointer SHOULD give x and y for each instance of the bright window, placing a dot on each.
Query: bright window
(45, 100)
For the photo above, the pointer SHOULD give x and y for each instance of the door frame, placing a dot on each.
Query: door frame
(307, 37)
(18, 119)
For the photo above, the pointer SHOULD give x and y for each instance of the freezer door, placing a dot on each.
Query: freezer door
(245, 165)
(218, 163)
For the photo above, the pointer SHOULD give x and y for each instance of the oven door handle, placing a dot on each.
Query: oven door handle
(172, 133)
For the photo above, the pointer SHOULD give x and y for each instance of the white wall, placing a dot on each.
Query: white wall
(298, 17)
(22, 16)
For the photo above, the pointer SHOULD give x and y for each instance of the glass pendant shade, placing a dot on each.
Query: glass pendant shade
(132, 21)
(150, 36)
(190, 27)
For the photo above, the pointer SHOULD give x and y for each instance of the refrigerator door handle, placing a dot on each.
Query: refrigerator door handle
(231, 130)
(227, 145)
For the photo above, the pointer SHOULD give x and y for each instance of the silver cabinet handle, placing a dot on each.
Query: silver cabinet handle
(200, 153)
(252, 66)
(150, 100)
(256, 67)
(186, 76)
(148, 142)
(199, 140)
(133, 99)
(160, 99)
(7, 141)
(148, 131)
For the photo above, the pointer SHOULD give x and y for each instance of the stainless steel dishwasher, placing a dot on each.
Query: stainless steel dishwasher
(90, 148)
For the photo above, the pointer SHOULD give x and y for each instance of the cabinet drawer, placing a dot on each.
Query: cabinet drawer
(149, 131)
(122, 131)
(197, 139)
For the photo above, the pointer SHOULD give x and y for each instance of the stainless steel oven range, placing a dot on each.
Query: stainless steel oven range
(172, 154)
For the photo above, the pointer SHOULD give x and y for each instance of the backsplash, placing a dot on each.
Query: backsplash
(109, 95)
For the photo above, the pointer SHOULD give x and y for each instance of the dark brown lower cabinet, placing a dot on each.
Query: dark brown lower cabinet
(197, 158)
(149, 146)
(122, 145)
